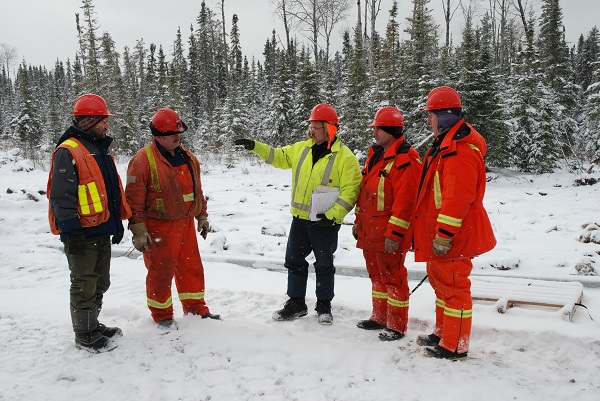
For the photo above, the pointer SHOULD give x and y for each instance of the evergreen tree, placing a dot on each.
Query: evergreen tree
(27, 125)
(388, 85)
(533, 145)
(592, 114)
(356, 110)
(479, 89)
(554, 57)
(89, 47)
(417, 72)
(308, 94)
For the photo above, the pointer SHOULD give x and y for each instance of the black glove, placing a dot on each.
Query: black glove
(75, 245)
(116, 239)
(325, 222)
(246, 143)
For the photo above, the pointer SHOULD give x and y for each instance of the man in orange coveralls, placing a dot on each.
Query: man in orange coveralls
(388, 192)
(165, 195)
(450, 223)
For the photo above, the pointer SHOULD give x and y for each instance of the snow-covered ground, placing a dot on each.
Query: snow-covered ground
(528, 353)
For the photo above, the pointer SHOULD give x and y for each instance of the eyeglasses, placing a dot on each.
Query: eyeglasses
(311, 128)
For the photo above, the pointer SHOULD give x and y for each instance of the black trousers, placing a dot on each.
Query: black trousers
(305, 237)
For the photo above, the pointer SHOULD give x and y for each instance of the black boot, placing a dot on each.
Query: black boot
(295, 307)
(323, 309)
(390, 335)
(110, 331)
(428, 340)
(369, 325)
(92, 341)
(87, 335)
(106, 330)
(442, 353)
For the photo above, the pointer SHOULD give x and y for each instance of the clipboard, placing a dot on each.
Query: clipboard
(322, 199)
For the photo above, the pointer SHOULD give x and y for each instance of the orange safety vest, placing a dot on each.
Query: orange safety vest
(157, 190)
(92, 201)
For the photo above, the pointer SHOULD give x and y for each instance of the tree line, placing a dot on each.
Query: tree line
(534, 99)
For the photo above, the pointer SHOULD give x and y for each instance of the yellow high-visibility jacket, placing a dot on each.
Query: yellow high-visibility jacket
(339, 169)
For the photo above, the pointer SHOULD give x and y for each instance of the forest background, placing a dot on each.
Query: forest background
(534, 99)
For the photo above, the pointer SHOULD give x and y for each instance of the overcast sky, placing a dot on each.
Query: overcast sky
(44, 30)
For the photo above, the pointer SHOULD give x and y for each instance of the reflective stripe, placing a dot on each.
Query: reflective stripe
(160, 305)
(397, 303)
(440, 303)
(71, 143)
(344, 204)
(459, 313)
(188, 197)
(451, 221)
(474, 147)
(381, 188)
(83, 200)
(379, 295)
(160, 207)
(328, 169)
(271, 156)
(437, 191)
(190, 295)
(82, 192)
(95, 197)
(398, 222)
(301, 206)
(297, 205)
(153, 170)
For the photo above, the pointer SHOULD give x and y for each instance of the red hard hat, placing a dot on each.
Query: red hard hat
(167, 122)
(443, 97)
(388, 117)
(324, 112)
(90, 105)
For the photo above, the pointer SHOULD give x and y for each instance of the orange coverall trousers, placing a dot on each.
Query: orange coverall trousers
(389, 289)
(453, 303)
(174, 253)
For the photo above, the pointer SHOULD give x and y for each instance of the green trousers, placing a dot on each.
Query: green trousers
(90, 274)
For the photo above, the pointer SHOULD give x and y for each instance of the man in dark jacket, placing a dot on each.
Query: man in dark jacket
(87, 204)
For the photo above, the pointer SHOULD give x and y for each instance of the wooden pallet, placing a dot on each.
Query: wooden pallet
(508, 292)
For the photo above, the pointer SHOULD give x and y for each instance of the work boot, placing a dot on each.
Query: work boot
(442, 353)
(428, 340)
(369, 325)
(105, 330)
(211, 316)
(323, 309)
(87, 335)
(109, 332)
(168, 324)
(294, 308)
(92, 341)
(390, 335)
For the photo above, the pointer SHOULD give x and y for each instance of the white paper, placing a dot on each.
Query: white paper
(322, 199)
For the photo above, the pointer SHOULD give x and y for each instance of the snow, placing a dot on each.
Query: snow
(527, 353)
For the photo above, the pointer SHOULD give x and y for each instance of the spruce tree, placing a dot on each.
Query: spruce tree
(534, 145)
(554, 58)
(27, 125)
(356, 111)
(479, 89)
(417, 72)
(592, 114)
